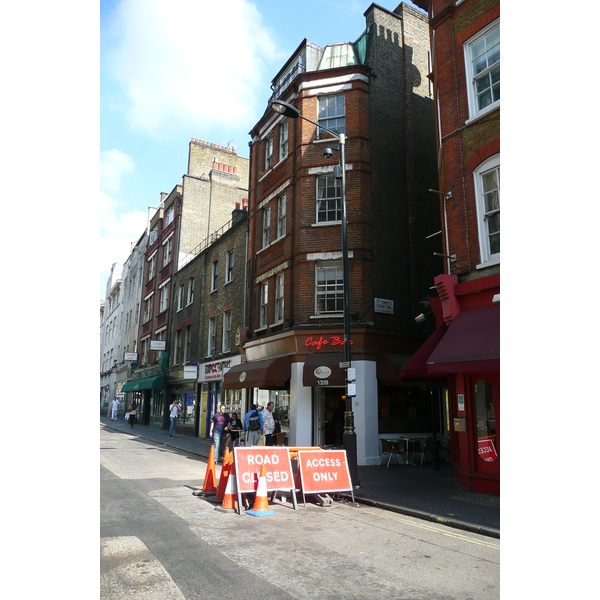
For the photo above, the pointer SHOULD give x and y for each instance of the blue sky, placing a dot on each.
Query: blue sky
(172, 70)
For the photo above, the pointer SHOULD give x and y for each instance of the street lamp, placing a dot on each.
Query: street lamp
(287, 110)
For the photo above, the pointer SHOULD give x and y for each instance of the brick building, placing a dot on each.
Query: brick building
(194, 210)
(209, 309)
(462, 356)
(376, 91)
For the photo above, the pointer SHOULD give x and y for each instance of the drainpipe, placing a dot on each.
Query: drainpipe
(247, 230)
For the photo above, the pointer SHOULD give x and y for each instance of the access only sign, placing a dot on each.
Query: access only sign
(324, 471)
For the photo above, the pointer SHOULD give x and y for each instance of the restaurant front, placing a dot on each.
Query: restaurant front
(463, 354)
(300, 372)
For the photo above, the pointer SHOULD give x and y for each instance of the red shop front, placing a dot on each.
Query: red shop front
(464, 352)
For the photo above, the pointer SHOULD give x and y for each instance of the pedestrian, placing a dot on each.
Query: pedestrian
(236, 427)
(219, 423)
(174, 412)
(253, 424)
(132, 412)
(115, 409)
(269, 425)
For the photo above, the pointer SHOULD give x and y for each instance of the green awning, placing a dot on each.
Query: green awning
(146, 383)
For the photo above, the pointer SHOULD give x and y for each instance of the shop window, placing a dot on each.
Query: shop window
(485, 421)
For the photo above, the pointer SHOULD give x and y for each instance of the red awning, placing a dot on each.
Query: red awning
(471, 345)
(416, 367)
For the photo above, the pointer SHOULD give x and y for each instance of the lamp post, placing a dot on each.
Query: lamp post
(287, 110)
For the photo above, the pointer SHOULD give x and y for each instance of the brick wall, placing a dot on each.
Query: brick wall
(465, 145)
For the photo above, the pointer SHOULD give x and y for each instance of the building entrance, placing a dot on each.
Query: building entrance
(328, 410)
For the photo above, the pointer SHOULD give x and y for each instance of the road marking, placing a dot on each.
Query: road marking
(432, 528)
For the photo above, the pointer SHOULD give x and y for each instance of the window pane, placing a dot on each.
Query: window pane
(493, 38)
(484, 99)
(495, 242)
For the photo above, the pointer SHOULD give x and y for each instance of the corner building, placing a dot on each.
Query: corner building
(376, 92)
(462, 355)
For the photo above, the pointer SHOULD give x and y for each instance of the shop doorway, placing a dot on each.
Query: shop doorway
(328, 416)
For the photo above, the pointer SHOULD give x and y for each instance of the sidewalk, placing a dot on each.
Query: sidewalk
(418, 491)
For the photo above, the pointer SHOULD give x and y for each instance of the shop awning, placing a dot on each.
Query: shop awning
(389, 366)
(471, 345)
(327, 366)
(416, 366)
(146, 383)
(270, 373)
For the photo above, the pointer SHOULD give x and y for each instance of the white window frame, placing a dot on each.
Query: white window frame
(180, 297)
(264, 302)
(152, 267)
(212, 336)
(226, 342)
(336, 200)
(279, 299)
(169, 215)
(214, 275)
(163, 298)
(281, 213)
(331, 288)
(190, 294)
(266, 226)
(492, 163)
(474, 110)
(269, 152)
(327, 119)
(153, 235)
(283, 139)
(229, 258)
(148, 305)
(167, 249)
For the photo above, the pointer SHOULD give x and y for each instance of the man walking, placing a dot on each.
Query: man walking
(253, 424)
(220, 423)
(269, 425)
(115, 408)
(174, 411)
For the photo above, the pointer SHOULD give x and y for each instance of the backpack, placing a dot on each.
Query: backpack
(254, 421)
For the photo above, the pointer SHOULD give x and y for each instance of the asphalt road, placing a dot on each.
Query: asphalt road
(159, 541)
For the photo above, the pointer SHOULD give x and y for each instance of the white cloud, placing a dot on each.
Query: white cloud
(113, 165)
(117, 229)
(182, 61)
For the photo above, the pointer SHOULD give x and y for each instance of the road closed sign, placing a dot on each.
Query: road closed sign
(324, 471)
(248, 463)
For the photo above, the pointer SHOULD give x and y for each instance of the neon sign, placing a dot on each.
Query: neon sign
(332, 340)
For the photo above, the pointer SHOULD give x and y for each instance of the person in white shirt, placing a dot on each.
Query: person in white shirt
(174, 411)
(269, 427)
(115, 408)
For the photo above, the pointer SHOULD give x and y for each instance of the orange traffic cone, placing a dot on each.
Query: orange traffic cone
(230, 498)
(225, 471)
(210, 479)
(261, 503)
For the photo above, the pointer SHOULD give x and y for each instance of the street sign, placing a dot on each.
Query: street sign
(323, 471)
(276, 460)
(344, 365)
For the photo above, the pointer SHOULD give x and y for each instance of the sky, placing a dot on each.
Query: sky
(172, 70)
